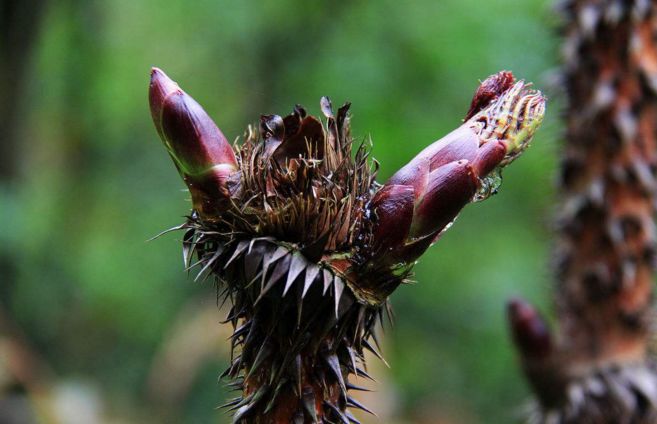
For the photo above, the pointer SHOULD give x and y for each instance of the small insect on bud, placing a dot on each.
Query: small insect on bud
(420, 200)
(200, 151)
(530, 332)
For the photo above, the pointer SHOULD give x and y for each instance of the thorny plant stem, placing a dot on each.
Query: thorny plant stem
(597, 369)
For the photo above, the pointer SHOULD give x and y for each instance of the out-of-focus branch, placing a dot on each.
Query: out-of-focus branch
(597, 370)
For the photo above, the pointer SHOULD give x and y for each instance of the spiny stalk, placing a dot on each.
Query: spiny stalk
(598, 368)
(307, 246)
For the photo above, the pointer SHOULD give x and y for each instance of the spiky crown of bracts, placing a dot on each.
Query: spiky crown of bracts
(308, 246)
(282, 244)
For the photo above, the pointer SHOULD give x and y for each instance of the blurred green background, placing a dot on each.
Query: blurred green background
(99, 326)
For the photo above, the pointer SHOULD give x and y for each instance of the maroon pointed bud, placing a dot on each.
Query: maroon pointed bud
(458, 168)
(160, 88)
(189, 133)
(489, 90)
(443, 180)
(530, 332)
(202, 154)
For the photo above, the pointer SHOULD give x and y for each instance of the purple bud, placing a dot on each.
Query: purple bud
(441, 179)
(160, 88)
(447, 174)
(529, 330)
(200, 151)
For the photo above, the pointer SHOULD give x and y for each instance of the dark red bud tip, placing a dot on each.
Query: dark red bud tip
(190, 135)
(489, 90)
(530, 332)
(161, 86)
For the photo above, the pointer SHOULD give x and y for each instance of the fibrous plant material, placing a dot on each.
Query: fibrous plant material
(598, 369)
(307, 246)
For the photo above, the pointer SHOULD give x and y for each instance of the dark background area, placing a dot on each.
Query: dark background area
(97, 325)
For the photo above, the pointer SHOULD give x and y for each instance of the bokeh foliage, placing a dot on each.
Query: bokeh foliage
(97, 301)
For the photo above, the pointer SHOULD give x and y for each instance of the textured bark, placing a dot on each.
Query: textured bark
(598, 369)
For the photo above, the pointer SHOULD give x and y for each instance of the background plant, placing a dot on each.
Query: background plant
(597, 366)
